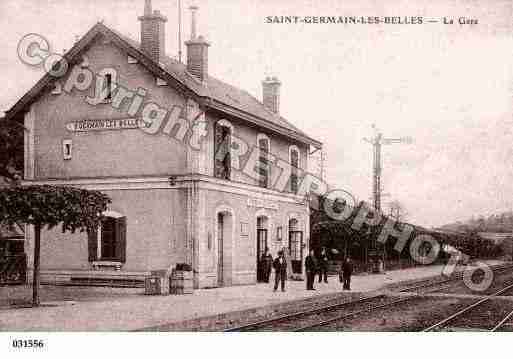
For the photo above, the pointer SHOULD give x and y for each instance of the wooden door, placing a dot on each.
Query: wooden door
(296, 250)
(261, 246)
(220, 235)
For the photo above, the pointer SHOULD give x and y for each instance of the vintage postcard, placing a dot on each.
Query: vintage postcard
(235, 166)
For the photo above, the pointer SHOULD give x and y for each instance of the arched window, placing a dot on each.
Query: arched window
(223, 132)
(108, 241)
(264, 169)
(294, 164)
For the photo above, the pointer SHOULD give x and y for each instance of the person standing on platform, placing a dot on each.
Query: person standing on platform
(323, 266)
(310, 268)
(280, 271)
(267, 263)
(347, 271)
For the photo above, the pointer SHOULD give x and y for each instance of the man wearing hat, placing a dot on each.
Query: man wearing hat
(280, 271)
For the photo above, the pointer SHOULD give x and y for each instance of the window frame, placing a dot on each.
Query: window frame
(267, 170)
(296, 244)
(229, 169)
(96, 240)
(101, 241)
(109, 76)
(294, 170)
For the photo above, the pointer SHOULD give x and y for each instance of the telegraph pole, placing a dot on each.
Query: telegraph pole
(180, 31)
(377, 141)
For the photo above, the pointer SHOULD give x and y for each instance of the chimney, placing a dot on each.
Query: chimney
(197, 51)
(271, 94)
(153, 35)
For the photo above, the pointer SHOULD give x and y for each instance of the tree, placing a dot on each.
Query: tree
(11, 150)
(49, 206)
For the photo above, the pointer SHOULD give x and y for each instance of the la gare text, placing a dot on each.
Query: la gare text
(460, 21)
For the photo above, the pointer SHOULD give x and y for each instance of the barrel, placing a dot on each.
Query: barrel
(181, 282)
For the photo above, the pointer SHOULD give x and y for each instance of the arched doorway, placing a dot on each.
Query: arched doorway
(224, 248)
(295, 245)
(262, 236)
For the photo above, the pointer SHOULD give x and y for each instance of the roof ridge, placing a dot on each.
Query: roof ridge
(260, 103)
(269, 111)
(204, 85)
(214, 88)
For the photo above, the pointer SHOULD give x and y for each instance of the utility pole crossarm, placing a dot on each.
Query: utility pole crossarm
(388, 141)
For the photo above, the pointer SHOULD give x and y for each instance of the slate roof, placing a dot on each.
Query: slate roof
(213, 89)
(220, 90)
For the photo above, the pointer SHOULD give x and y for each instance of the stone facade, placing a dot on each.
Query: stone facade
(174, 209)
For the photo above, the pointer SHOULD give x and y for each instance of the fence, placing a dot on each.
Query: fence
(390, 264)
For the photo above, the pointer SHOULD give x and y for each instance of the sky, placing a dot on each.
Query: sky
(449, 87)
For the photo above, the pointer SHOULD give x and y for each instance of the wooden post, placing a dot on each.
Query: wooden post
(36, 281)
(366, 251)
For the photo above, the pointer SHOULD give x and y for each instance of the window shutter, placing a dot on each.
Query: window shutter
(219, 154)
(222, 152)
(263, 166)
(92, 244)
(228, 156)
(294, 161)
(121, 239)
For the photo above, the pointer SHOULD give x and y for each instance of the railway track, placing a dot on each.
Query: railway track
(323, 315)
(288, 321)
(456, 277)
(458, 321)
(503, 322)
(434, 287)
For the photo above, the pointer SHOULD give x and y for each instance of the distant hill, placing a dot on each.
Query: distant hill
(500, 223)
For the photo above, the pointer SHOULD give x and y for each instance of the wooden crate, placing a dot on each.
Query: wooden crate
(157, 285)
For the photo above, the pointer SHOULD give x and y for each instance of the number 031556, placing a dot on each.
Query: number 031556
(28, 343)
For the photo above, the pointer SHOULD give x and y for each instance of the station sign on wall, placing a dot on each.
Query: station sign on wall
(104, 124)
(256, 202)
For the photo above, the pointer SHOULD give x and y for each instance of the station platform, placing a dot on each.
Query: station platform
(116, 309)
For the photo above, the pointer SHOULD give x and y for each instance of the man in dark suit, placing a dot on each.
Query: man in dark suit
(323, 266)
(280, 271)
(347, 271)
(310, 268)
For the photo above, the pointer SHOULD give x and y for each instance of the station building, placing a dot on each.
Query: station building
(175, 199)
